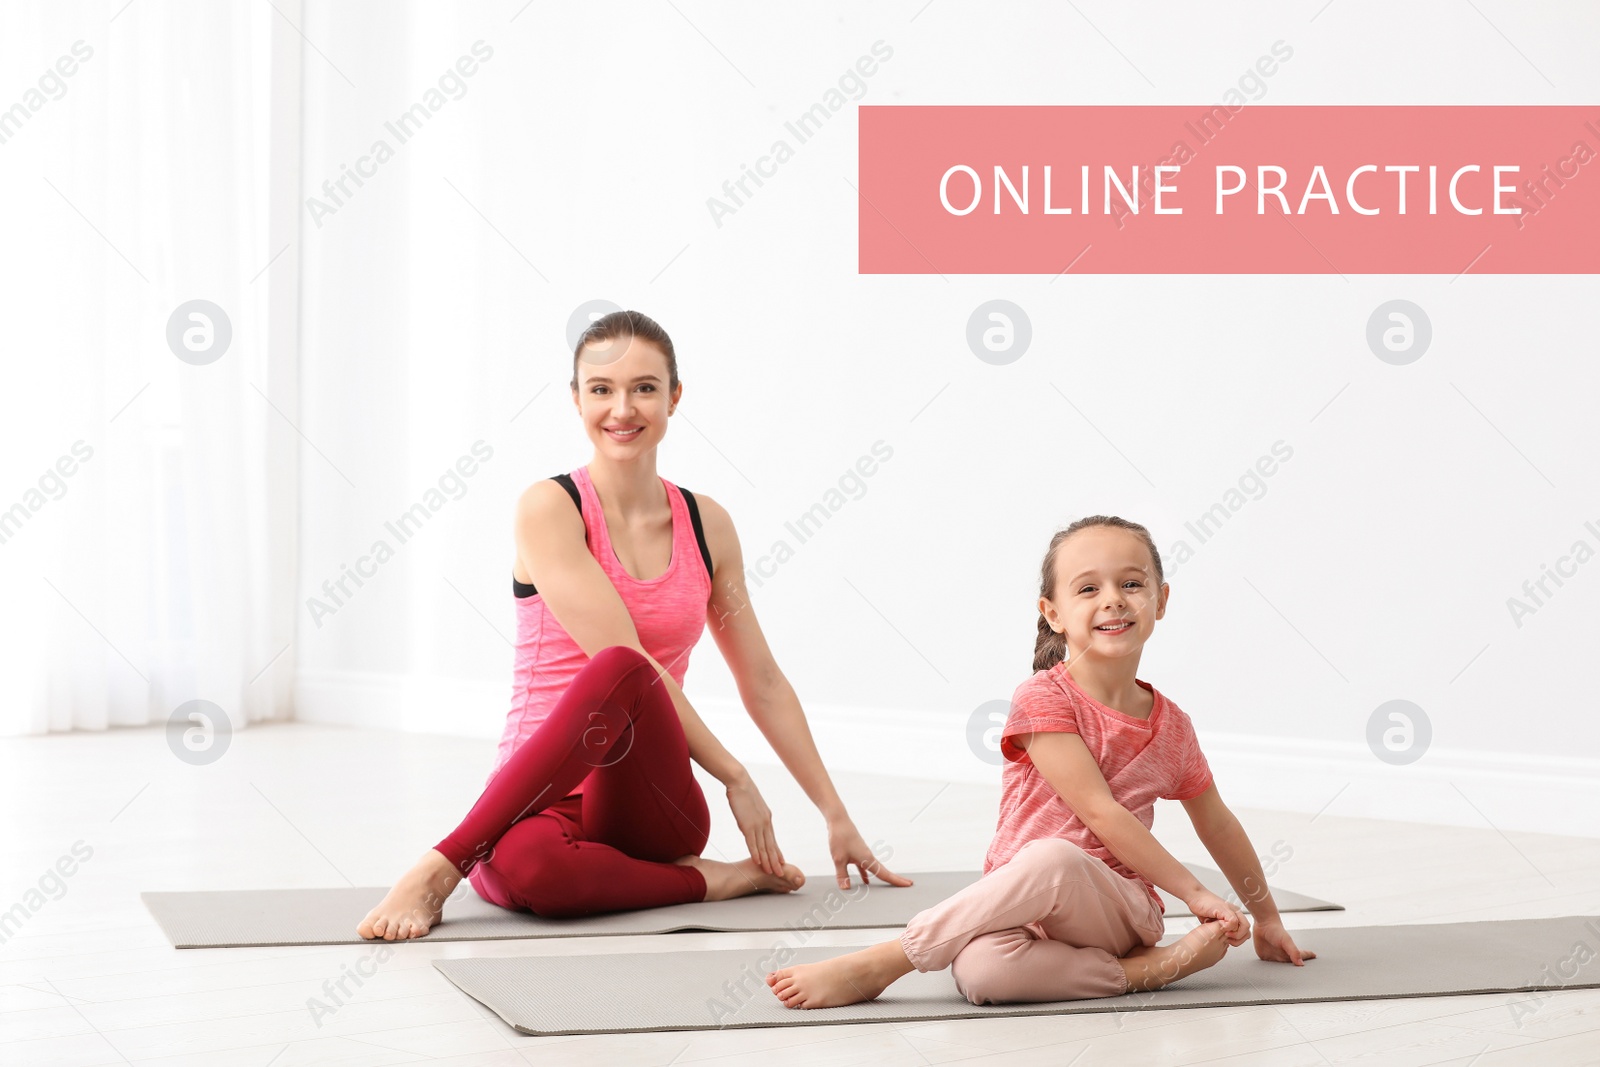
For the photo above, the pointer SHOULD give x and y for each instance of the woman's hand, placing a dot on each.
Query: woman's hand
(846, 847)
(1274, 943)
(1208, 907)
(754, 819)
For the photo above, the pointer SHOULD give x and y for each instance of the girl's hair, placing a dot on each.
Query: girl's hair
(1049, 647)
(627, 324)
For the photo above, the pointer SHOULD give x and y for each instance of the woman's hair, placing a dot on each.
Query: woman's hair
(1049, 647)
(627, 324)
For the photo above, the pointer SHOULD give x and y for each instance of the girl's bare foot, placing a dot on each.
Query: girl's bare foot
(416, 902)
(848, 979)
(727, 880)
(1148, 967)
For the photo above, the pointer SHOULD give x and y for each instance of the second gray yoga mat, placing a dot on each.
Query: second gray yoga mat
(639, 992)
(230, 918)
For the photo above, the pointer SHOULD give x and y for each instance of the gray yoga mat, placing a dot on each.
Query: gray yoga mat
(638, 992)
(231, 918)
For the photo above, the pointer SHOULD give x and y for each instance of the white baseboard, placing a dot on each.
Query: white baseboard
(1502, 791)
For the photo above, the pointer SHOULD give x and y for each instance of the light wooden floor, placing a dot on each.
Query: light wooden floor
(89, 979)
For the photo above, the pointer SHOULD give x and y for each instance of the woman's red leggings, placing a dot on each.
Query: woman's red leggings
(529, 844)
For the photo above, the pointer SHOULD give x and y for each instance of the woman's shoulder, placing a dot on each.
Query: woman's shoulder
(555, 487)
(551, 501)
(710, 510)
(715, 521)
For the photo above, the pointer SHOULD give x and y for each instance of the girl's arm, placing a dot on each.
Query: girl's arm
(1225, 839)
(1068, 765)
(550, 543)
(770, 700)
(1223, 836)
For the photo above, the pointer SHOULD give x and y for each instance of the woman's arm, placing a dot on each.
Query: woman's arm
(764, 691)
(768, 697)
(551, 545)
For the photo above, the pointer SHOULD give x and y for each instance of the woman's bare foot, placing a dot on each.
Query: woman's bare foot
(1148, 967)
(848, 979)
(727, 880)
(416, 902)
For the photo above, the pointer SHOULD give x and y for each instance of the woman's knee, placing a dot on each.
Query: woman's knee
(619, 658)
(546, 884)
(536, 862)
(625, 674)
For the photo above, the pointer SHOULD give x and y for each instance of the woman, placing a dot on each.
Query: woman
(591, 805)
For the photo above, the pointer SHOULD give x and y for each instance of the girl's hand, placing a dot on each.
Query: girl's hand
(1208, 907)
(846, 847)
(1274, 943)
(754, 819)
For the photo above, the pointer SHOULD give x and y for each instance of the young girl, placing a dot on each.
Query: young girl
(1066, 909)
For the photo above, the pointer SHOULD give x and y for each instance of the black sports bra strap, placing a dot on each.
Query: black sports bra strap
(699, 532)
(526, 589)
(572, 489)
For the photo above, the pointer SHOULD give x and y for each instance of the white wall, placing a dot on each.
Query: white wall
(1376, 564)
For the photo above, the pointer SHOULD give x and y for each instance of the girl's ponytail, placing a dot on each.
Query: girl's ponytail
(1049, 648)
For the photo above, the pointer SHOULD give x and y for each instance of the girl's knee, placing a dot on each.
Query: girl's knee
(969, 973)
(1053, 853)
(980, 969)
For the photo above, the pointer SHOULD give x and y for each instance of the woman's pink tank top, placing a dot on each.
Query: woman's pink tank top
(668, 612)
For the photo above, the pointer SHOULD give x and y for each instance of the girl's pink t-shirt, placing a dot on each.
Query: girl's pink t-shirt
(1141, 760)
(668, 612)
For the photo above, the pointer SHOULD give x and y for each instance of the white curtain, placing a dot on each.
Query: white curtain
(148, 158)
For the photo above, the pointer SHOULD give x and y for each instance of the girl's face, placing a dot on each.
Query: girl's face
(1106, 599)
(622, 396)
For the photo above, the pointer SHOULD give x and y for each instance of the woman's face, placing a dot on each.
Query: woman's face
(622, 396)
(1104, 579)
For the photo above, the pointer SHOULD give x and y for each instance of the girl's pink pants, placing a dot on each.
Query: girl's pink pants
(1049, 925)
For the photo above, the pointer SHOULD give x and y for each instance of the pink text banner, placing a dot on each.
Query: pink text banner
(1191, 189)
